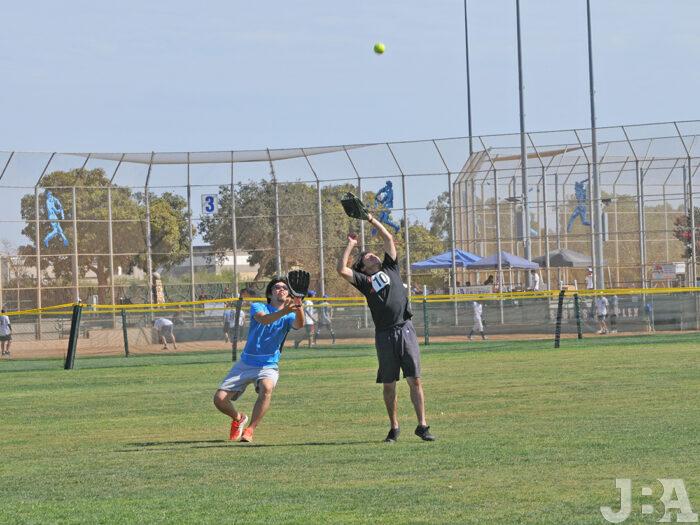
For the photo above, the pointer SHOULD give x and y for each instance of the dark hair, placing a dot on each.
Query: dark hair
(273, 282)
(359, 263)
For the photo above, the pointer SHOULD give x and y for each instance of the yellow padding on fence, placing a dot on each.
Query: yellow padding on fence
(42, 310)
(441, 298)
(182, 306)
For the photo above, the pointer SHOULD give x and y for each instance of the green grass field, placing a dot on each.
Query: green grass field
(526, 434)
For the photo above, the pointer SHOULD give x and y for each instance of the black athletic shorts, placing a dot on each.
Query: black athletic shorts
(397, 349)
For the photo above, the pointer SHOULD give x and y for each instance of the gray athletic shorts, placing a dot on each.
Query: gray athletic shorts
(397, 349)
(241, 375)
(6, 337)
(166, 331)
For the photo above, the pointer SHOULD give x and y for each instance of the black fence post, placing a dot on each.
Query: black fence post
(577, 313)
(73, 339)
(125, 333)
(560, 308)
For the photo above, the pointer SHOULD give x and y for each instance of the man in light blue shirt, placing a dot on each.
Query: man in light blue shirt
(269, 325)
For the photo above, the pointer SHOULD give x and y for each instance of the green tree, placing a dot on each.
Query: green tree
(682, 232)
(439, 209)
(91, 189)
(299, 238)
(663, 231)
(170, 239)
(424, 244)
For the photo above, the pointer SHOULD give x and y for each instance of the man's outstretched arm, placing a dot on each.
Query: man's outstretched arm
(290, 305)
(389, 246)
(342, 268)
(299, 320)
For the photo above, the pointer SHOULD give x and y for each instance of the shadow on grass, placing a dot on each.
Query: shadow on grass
(157, 446)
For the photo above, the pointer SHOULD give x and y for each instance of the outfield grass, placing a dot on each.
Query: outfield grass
(526, 434)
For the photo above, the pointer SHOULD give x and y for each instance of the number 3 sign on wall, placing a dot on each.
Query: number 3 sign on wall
(209, 204)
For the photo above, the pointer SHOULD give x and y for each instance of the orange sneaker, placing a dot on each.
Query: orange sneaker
(237, 426)
(247, 436)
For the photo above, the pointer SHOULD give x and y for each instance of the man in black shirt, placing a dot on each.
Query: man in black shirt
(395, 337)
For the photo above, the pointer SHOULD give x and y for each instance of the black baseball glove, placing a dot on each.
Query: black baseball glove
(298, 283)
(353, 207)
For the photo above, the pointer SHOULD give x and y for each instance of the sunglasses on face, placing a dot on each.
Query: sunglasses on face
(280, 287)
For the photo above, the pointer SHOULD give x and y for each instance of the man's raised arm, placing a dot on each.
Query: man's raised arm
(389, 246)
(290, 305)
(342, 268)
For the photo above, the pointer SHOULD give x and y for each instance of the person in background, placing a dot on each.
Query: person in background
(649, 314)
(535, 281)
(228, 322)
(589, 279)
(5, 333)
(601, 307)
(614, 312)
(325, 319)
(309, 321)
(165, 329)
(478, 320)
(241, 321)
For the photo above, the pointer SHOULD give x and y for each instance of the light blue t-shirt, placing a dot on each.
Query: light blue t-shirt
(264, 344)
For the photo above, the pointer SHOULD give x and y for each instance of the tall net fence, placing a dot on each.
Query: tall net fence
(210, 325)
(148, 228)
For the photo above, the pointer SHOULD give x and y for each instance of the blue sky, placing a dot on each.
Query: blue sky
(176, 76)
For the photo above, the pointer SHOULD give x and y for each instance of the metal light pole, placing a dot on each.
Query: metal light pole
(234, 233)
(319, 212)
(74, 213)
(523, 155)
(453, 245)
(189, 230)
(278, 244)
(469, 93)
(693, 270)
(597, 204)
(149, 251)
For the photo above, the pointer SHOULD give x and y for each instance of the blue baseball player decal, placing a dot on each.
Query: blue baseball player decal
(581, 209)
(384, 201)
(54, 211)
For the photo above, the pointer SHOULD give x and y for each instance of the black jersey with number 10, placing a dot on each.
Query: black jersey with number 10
(386, 295)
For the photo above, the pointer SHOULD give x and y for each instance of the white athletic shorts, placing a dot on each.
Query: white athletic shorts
(478, 325)
(241, 375)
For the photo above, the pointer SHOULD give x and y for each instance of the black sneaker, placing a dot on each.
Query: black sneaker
(424, 433)
(392, 436)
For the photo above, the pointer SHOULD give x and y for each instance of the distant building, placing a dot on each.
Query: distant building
(205, 261)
